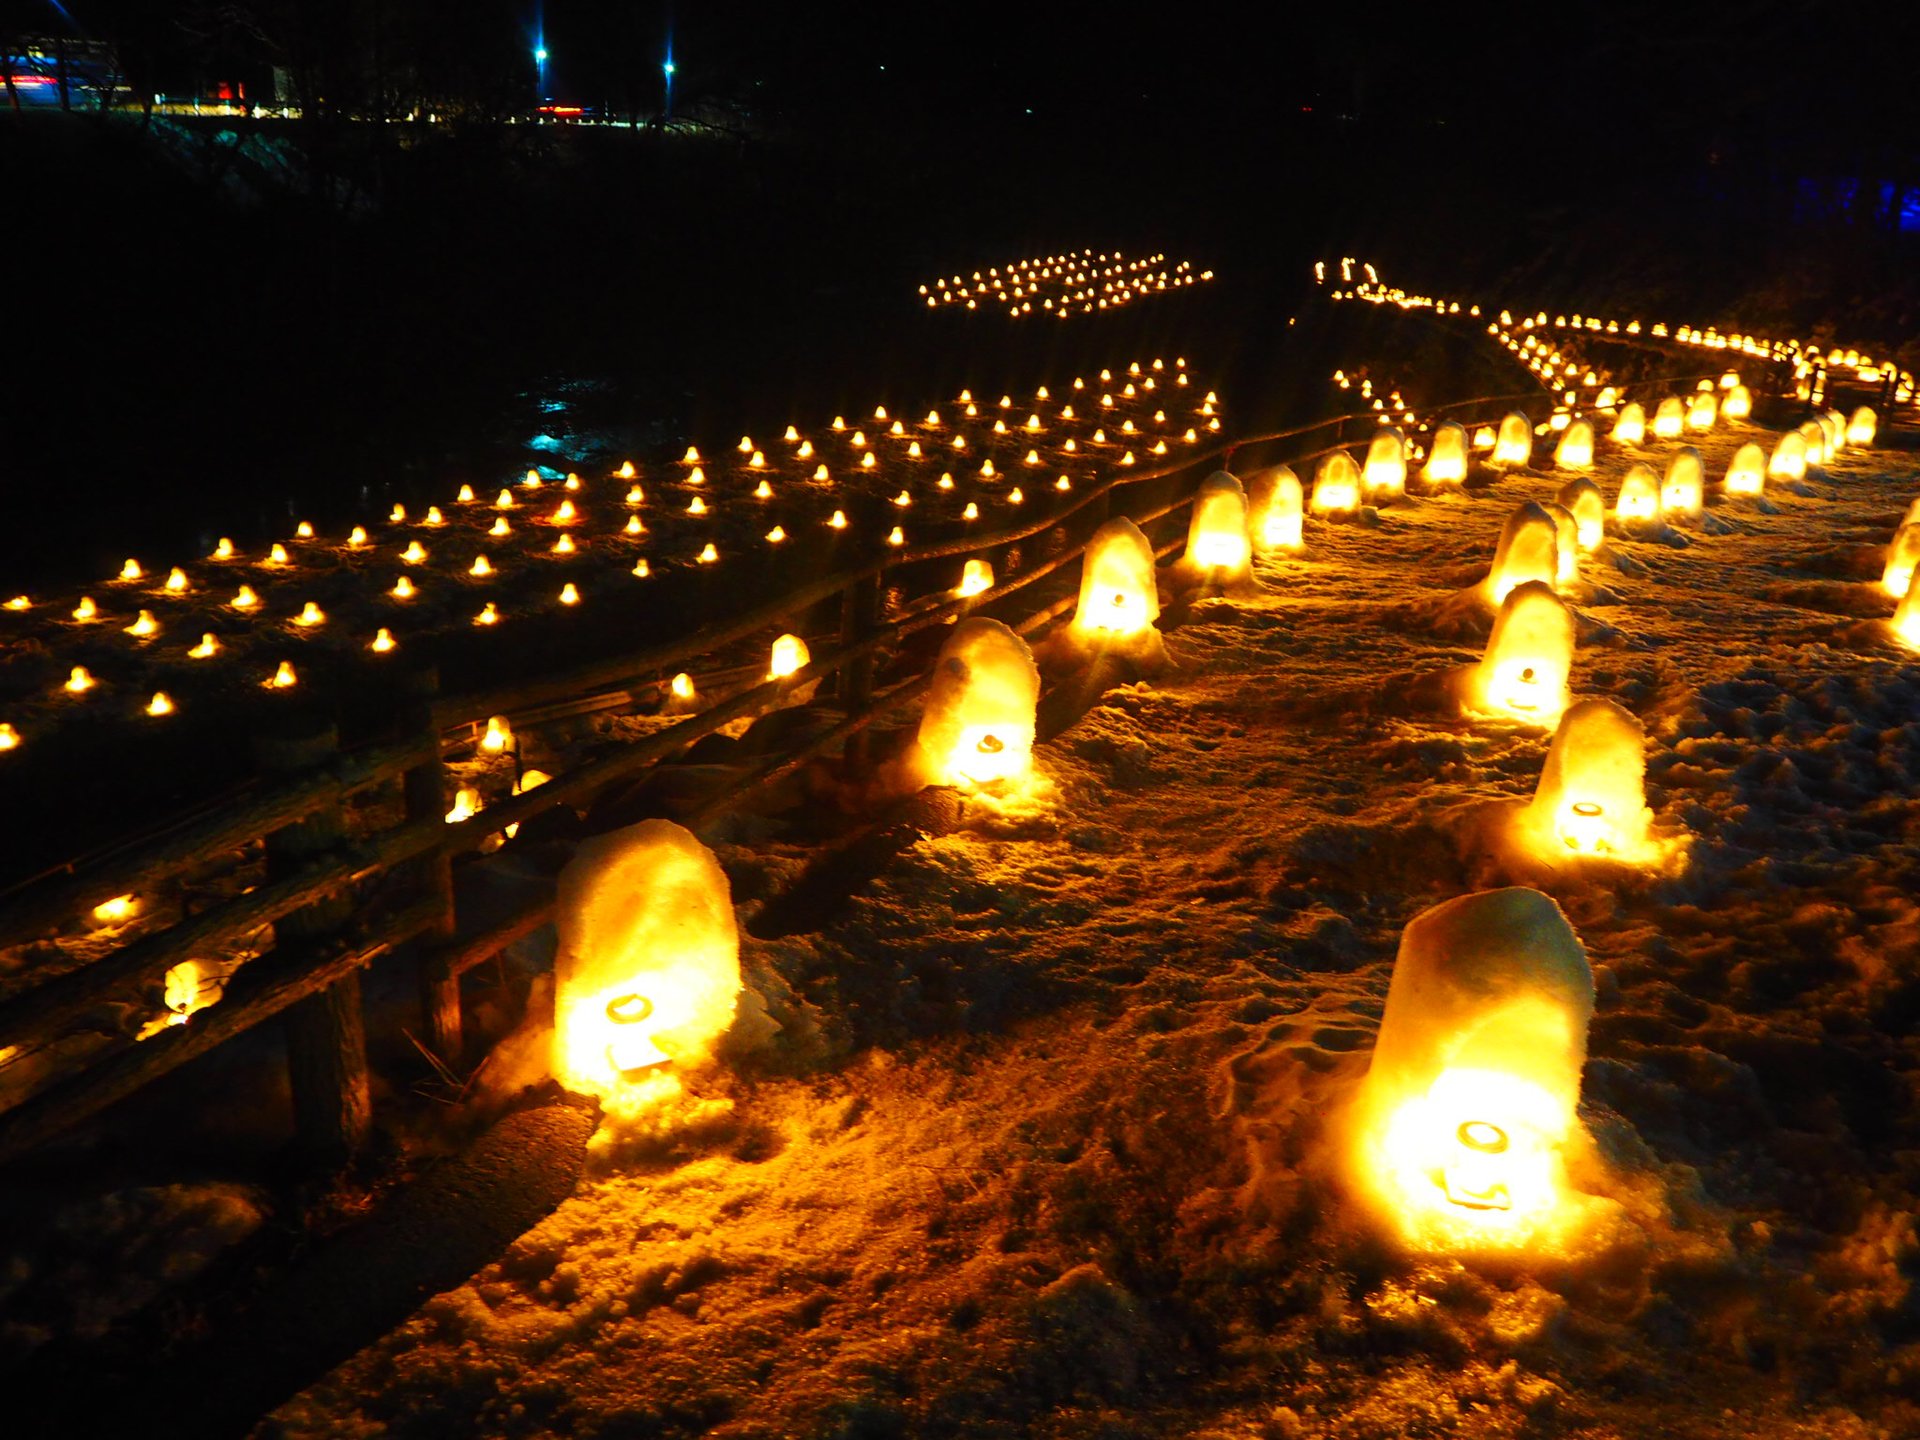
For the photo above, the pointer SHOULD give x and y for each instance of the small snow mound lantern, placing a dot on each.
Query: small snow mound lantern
(1275, 502)
(1583, 500)
(978, 725)
(1862, 426)
(1631, 427)
(1747, 471)
(1814, 435)
(1514, 444)
(1703, 410)
(1336, 487)
(1638, 502)
(1218, 549)
(1670, 418)
(647, 970)
(1528, 550)
(1384, 478)
(1683, 492)
(1523, 675)
(1906, 617)
(1739, 403)
(1448, 456)
(1566, 531)
(1592, 797)
(1789, 459)
(1903, 559)
(1474, 1084)
(1575, 450)
(1118, 599)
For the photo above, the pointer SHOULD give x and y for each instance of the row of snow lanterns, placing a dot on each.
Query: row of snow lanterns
(1063, 282)
(1137, 380)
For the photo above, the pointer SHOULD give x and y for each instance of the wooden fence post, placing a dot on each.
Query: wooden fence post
(860, 609)
(426, 796)
(325, 1035)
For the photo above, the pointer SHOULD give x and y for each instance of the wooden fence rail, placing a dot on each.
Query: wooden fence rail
(309, 973)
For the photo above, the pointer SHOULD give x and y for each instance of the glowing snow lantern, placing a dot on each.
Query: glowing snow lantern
(1514, 443)
(1217, 544)
(9, 737)
(87, 610)
(282, 678)
(131, 570)
(1472, 1092)
(223, 550)
(1575, 450)
(1523, 675)
(382, 641)
(244, 598)
(978, 725)
(1747, 471)
(789, 654)
(1638, 502)
(1336, 488)
(160, 704)
(481, 566)
(708, 556)
(1274, 507)
(1631, 427)
(1683, 491)
(1903, 558)
(403, 588)
(1384, 477)
(1739, 403)
(1447, 458)
(647, 969)
(1670, 418)
(1789, 458)
(116, 910)
(1528, 549)
(1906, 618)
(79, 680)
(144, 625)
(489, 614)
(1567, 543)
(465, 496)
(466, 804)
(1862, 427)
(976, 577)
(206, 649)
(569, 594)
(1702, 410)
(1592, 794)
(564, 545)
(1815, 437)
(1583, 500)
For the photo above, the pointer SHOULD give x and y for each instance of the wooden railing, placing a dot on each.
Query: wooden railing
(328, 896)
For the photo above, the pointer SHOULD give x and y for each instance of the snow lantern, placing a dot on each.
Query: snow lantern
(1575, 450)
(1703, 410)
(1566, 534)
(1592, 798)
(1789, 459)
(1528, 550)
(1670, 418)
(1747, 471)
(1583, 500)
(1631, 427)
(1117, 594)
(1862, 427)
(1815, 437)
(1218, 549)
(978, 725)
(1739, 403)
(1906, 617)
(1903, 558)
(1274, 504)
(647, 970)
(1523, 675)
(1447, 456)
(1384, 478)
(1336, 488)
(1683, 492)
(1639, 499)
(1474, 1083)
(1514, 444)
(1833, 427)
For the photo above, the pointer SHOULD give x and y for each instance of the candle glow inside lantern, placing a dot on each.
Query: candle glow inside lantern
(789, 654)
(1118, 597)
(1336, 488)
(1862, 426)
(1528, 550)
(1384, 477)
(1670, 418)
(1582, 499)
(978, 725)
(1514, 443)
(1575, 450)
(1529, 656)
(1747, 471)
(1638, 502)
(1739, 403)
(1789, 459)
(1903, 558)
(1218, 548)
(1631, 427)
(647, 967)
(1683, 492)
(1448, 455)
(1471, 1096)
(1275, 506)
(1592, 795)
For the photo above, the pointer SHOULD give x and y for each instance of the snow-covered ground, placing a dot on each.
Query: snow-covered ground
(1044, 1141)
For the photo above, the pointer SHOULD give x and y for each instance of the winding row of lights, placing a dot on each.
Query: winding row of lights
(1080, 282)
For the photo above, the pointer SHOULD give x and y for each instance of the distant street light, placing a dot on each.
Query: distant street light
(666, 71)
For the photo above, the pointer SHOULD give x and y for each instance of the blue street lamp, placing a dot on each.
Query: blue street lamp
(540, 63)
(666, 70)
